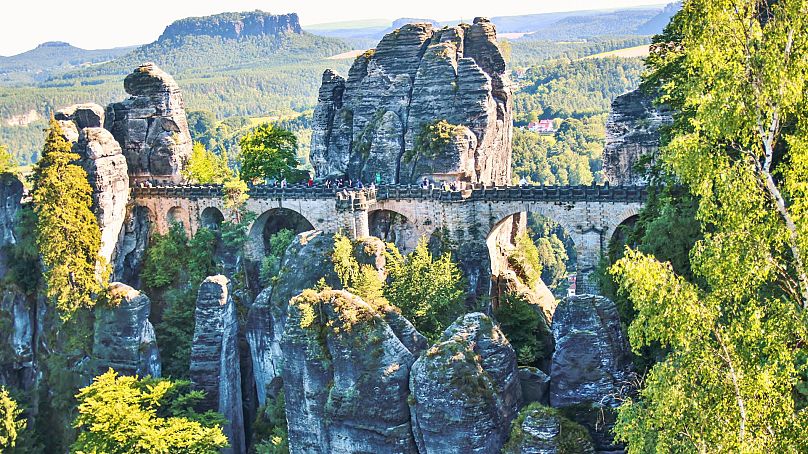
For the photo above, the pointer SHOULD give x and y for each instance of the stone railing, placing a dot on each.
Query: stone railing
(563, 194)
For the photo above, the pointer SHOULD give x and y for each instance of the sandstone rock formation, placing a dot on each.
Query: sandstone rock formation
(11, 192)
(632, 131)
(424, 102)
(465, 389)
(234, 25)
(131, 252)
(591, 360)
(535, 385)
(542, 430)
(100, 156)
(345, 377)
(151, 126)
(215, 357)
(124, 337)
(306, 261)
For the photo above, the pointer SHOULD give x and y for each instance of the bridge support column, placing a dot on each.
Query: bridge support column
(589, 246)
(354, 211)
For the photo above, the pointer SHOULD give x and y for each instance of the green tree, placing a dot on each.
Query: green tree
(123, 415)
(10, 423)
(521, 322)
(734, 376)
(429, 292)
(270, 429)
(205, 167)
(268, 152)
(6, 160)
(68, 234)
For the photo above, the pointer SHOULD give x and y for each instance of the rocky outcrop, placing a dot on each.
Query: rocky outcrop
(543, 430)
(101, 157)
(465, 389)
(11, 192)
(124, 337)
(234, 25)
(425, 102)
(591, 357)
(632, 131)
(77, 117)
(215, 358)
(131, 252)
(345, 377)
(151, 126)
(305, 262)
(535, 385)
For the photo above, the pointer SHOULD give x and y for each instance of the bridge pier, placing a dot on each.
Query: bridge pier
(354, 207)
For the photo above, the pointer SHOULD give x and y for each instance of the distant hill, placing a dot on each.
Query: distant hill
(39, 63)
(657, 23)
(253, 64)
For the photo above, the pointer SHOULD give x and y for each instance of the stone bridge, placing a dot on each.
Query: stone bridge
(480, 223)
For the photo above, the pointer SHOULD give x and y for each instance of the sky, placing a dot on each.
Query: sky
(101, 24)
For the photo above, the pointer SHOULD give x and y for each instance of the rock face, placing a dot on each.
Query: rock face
(535, 385)
(345, 377)
(383, 118)
(131, 251)
(215, 358)
(305, 262)
(151, 126)
(632, 131)
(465, 389)
(101, 157)
(234, 25)
(124, 337)
(591, 358)
(542, 430)
(11, 192)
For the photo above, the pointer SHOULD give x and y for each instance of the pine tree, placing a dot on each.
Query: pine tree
(68, 234)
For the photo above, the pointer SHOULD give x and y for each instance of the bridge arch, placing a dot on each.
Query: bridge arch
(270, 222)
(393, 227)
(179, 215)
(211, 218)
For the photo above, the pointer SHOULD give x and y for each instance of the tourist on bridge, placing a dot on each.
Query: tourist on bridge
(358, 184)
(283, 183)
(311, 182)
(378, 179)
(522, 182)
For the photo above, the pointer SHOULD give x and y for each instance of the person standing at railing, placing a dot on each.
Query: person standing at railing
(522, 182)
(378, 179)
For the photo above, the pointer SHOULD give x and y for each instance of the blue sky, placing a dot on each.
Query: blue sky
(95, 24)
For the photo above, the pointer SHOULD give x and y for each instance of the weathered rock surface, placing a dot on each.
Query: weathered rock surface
(88, 115)
(101, 157)
(11, 192)
(345, 377)
(632, 131)
(131, 252)
(234, 25)
(370, 122)
(151, 126)
(215, 357)
(535, 385)
(465, 389)
(124, 337)
(591, 357)
(305, 262)
(542, 430)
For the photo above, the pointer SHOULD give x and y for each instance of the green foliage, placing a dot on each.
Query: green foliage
(736, 332)
(573, 156)
(526, 53)
(205, 167)
(525, 260)
(121, 415)
(363, 279)
(429, 292)
(268, 152)
(10, 422)
(522, 322)
(270, 430)
(271, 264)
(174, 268)
(6, 160)
(68, 234)
(433, 139)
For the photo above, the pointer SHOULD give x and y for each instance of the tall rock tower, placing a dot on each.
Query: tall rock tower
(425, 102)
(151, 125)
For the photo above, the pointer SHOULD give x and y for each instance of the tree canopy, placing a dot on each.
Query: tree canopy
(268, 152)
(734, 375)
(10, 422)
(68, 234)
(120, 414)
